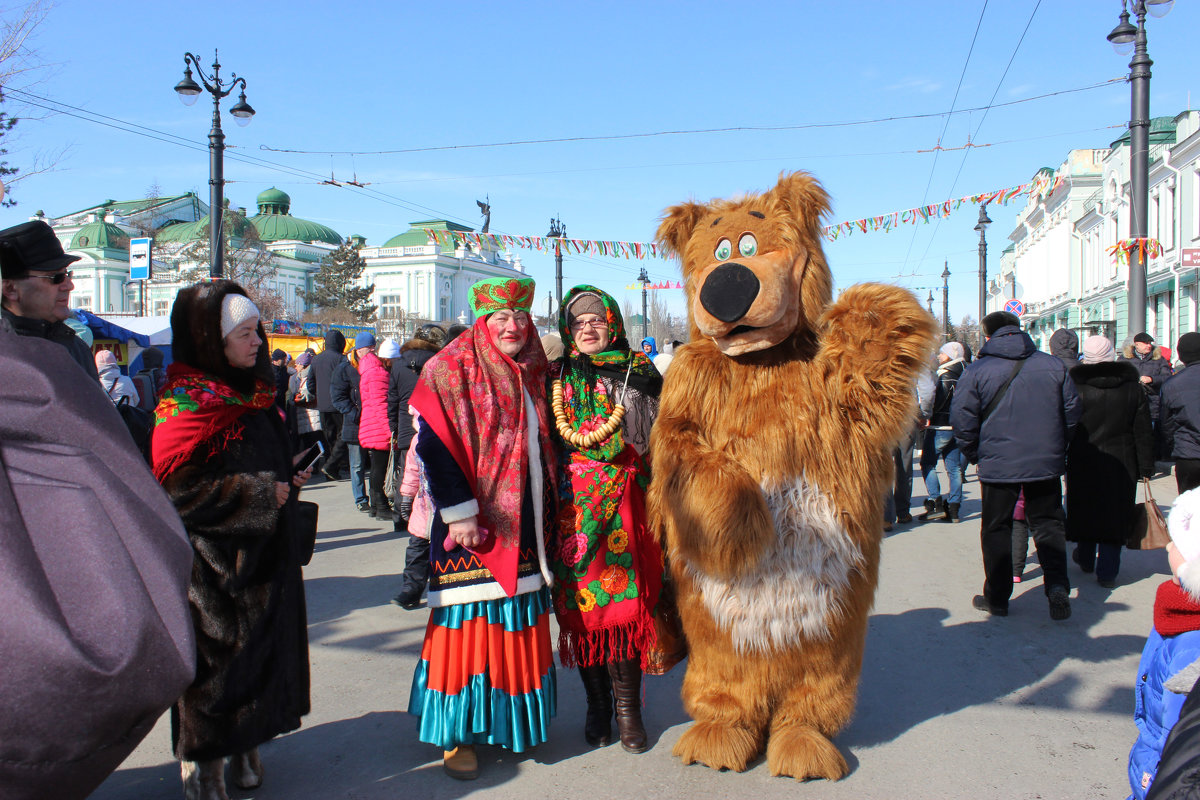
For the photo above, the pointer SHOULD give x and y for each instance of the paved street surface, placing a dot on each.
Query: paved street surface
(952, 703)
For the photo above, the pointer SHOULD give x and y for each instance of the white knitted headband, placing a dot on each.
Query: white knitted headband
(236, 309)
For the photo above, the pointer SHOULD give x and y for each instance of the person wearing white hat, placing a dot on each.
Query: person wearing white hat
(1168, 668)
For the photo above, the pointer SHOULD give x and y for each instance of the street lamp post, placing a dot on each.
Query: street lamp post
(930, 302)
(645, 280)
(188, 91)
(1122, 37)
(946, 300)
(557, 232)
(981, 226)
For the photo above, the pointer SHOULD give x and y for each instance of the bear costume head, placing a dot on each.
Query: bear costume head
(755, 272)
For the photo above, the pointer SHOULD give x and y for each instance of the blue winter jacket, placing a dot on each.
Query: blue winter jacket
(1179, 412)
(1025, 439)
(1155, 708)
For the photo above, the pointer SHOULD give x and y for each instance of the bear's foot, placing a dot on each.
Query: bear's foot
(720, 746)
(802, 753)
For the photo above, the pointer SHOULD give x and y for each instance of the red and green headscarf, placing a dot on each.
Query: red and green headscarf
(581, 404)
(495, 294)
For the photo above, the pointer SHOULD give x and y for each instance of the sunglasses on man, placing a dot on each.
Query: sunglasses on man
(57, 278)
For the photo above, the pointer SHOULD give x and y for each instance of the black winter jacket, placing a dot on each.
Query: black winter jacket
(320, 372)
(943, 396)
(343, 393)
(1025, 439)
(1180, 410)
(1153, 365)
(1064, 345)
(58, 332)
(1112, 448)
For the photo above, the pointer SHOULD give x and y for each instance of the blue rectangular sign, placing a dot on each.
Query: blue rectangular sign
(139, 259)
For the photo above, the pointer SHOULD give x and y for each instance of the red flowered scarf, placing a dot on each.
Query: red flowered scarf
(470, 395)
(1174, 610)
(198, 408)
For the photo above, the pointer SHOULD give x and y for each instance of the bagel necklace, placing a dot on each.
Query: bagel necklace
(588, 440)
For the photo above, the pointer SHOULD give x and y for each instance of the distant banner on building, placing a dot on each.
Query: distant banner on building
(1042, 185)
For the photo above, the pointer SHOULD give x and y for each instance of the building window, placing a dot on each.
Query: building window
(390, 307)
(161, 307)
(1170, 213)
(83, 301)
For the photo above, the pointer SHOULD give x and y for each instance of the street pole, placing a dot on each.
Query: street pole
(549, 304)
(1139, 148)
(981, 226)
(645, 280)
(188, 91)
(946, 300)
(557, 232)
(930, 302)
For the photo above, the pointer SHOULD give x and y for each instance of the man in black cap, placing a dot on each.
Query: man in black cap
(37, 288)
(1014, 411)
(1180, 409)
(1153, 369)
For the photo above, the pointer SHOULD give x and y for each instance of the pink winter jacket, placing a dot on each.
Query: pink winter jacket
(410, 485)
(374, 432)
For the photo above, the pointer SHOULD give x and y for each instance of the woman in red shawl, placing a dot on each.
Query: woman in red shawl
(486, 675)
(222, 452)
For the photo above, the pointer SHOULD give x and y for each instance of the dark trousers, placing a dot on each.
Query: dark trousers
(1047, 521)
(1187, 473)
(335, 448)
(903, 458)
(379, 465)
(1103, 557)
(416, 566)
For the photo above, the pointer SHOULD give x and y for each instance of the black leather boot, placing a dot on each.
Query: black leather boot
(627, 691)
(597, 727)
(932, 505)
(951, 512)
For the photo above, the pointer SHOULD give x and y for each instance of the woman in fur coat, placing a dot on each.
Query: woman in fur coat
(1113, 447)
(221, 451)
(608, 567)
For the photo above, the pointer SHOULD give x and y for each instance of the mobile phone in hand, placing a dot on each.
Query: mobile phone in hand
(310, 458)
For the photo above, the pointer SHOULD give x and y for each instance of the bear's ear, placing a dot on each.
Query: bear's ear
(800, 196)
(677, 225)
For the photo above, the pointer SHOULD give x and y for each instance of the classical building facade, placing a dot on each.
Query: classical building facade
(1061, 264)
(417, 279)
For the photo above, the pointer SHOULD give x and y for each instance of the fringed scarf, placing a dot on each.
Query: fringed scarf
(472, 397)
(199, 409)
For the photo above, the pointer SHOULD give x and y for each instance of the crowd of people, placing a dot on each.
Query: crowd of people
(517, 468)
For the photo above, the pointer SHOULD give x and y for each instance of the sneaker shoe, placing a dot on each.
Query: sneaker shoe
(1016, 578)
(364, 507)
(1060, 603)
(983, 604)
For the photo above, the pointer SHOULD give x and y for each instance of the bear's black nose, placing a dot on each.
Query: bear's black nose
(729, 291)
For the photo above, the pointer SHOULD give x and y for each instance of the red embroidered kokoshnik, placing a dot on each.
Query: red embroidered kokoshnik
(197, 408)
(470, 395)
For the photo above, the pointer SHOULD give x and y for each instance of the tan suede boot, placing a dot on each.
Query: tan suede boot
(246, 770)
(461, 763)
(203, 780)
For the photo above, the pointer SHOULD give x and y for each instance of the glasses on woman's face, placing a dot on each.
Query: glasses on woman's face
(57, 278)
(594, 324)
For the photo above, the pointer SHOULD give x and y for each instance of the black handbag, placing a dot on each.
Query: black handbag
(139, 422)
(306, 530)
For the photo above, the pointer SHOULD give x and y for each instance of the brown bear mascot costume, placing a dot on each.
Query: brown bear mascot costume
(771, 456)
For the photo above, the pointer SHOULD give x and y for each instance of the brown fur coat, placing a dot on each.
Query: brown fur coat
(770, 457)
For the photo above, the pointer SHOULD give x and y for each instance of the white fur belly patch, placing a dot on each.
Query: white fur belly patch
(794, 592)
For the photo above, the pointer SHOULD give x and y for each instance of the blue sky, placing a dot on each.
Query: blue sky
(394, 76)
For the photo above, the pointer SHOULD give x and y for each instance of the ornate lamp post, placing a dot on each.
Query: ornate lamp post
(558, 231)
(1123, 37)
(981, 226)
(645, 280)
(188, 91)
(930, 302)
(946, 300)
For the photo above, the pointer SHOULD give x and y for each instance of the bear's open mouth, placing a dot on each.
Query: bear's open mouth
(741, 329)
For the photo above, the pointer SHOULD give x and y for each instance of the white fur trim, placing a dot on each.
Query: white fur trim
(236, 309)
(535, 485)
(1189, 579)
(1183, 524)
(794, 593)
(462, 511)
(490, 590)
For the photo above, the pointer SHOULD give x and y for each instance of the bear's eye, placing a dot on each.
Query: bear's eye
(747, 245)
(724, 250)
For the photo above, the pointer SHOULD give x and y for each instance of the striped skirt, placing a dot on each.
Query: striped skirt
(486, 674)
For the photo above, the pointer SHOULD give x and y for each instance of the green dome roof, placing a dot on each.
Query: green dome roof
(274, 223)
(183, 232)
(415, 236)
(98, 236)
